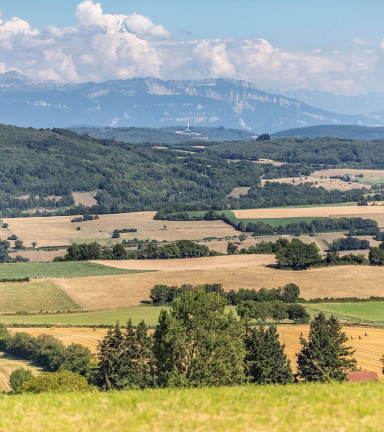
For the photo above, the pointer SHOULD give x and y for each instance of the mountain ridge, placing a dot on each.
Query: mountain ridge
(152, 102)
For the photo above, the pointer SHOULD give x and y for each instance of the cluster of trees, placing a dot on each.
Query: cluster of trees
(93, 251)
(165, 294)
(260, 248)
(297, 255)
(4, 252)
(276, 310)
(349, 243)
(47, 351)
(376, 255)
(196, 344)
(86, 217)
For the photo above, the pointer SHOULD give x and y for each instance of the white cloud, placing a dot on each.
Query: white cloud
(120, 46)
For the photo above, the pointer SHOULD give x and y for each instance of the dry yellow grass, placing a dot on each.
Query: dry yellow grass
(369, 349)
(336, 211)
(111, 292)
(347, 171)
(38, 255)
(59, 230)
(85, 198)
(326, 183)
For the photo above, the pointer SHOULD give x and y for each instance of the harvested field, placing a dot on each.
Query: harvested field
(58, 230)
(369, 349)
(85, 198)
(321, 211)
(111, 292)
(39, 255)
(209, 263)
(269, 161)
(327, 183)
(348, 171)
(9, 364)
(34, 297)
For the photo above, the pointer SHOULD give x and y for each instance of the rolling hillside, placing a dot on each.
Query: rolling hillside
(335, 131)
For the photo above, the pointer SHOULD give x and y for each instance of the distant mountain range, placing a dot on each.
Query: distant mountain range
(352, 105)
(150, 102)
(334, 131)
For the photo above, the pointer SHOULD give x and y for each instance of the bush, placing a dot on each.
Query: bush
(19, 377)
(56, 382)
(298, 255)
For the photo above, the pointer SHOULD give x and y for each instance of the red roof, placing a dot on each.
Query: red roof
(363, 376)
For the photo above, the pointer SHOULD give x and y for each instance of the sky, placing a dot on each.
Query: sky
(326, 45)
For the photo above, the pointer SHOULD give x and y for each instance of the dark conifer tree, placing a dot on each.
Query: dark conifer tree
(265, 360)
(324, 356)
(144, 356)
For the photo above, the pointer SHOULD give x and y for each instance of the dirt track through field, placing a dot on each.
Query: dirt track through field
(369, 349)
(350, 211)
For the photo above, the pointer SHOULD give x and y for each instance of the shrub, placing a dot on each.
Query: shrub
(56, 382)
(19, 377)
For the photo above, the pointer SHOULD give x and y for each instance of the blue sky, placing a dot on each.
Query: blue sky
(323, 45)
(293, 24)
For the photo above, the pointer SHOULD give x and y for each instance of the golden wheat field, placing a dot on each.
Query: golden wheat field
(369, 349)
(336, 211)
(59, 230)
(111, 292)
(367, 173)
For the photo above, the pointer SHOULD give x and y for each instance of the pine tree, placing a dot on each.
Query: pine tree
(111, 358)
(265, 360)
(144, 356)
(324, 356)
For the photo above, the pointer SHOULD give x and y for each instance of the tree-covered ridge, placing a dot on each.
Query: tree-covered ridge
(128, 178)
(320, 151)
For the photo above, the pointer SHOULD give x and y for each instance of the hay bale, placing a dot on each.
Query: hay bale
(352, 337)
(366, 334)
(360, 337)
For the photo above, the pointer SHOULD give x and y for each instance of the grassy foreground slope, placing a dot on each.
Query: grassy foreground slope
(314, 407)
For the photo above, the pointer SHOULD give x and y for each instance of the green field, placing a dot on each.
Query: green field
(357, 312)
(58, 270)
(371, 180)
(34, 297)
(308, 407)
(149, 314)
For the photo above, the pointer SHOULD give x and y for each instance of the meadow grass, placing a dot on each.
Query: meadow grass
(58, 270)
(365, 311)
(34, 297)
(315, 407)
(149, 314)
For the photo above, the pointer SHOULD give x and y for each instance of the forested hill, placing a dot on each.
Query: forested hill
(127, 178)
(321, 151)
(335, 131)
(166, 135)
(38, 164)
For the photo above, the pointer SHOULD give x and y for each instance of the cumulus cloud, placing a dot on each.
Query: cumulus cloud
(120, 46)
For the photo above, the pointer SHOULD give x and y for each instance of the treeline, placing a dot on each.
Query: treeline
(4, 252)
(277, 310)
(86, 217)
(164, 294)
(331, 152)
(349, 243)
(47, 351)
(93, 251)
(354, 226)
